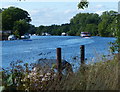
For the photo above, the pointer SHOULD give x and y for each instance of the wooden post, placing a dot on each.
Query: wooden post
(82, 58)
(82, 67)
(59, 63)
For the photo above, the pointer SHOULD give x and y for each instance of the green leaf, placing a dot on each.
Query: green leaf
(83, 4)
(9, 80)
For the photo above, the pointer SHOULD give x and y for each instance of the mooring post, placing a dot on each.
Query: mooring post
(82, 67)
(59, 63)
(82, 57)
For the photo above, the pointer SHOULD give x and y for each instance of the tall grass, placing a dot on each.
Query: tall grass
(98, 76)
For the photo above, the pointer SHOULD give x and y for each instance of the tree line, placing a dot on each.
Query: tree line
(18, 21)
(103, 25)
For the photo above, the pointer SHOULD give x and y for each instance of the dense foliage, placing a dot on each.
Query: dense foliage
(103, 25)
(118, 33)
(0, 21)
(116, 30)
(11, 15)
(15, 19)
(30, 78)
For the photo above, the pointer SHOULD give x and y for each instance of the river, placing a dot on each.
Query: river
(45, 47)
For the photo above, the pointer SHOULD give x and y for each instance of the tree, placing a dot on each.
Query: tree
(20, 28)
(106, 27)
(102, 28)
(32, 29)
(84, 4)
(11, 15)
(0, 10)
(92, 28)
(85, 22)
(0, 21)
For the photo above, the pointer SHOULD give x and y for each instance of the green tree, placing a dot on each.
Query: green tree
(85, 22)
(20, 27)
(92, 28)
(0, 21)
(102, 28)
(32, 29)
(40, 29)
(118, 32)
(105, 26)
(112, 28)
(11, 15)
(84, 4)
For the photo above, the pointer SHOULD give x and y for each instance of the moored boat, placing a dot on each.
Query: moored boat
(85, 34)
(26, 36)
(12, 37)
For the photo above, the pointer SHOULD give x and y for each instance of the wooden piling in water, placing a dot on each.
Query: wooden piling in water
(59, 61)
(82, 51)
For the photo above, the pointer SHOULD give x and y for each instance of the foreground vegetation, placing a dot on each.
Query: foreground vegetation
(97, 76)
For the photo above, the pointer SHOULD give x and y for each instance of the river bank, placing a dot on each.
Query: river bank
(98, 76)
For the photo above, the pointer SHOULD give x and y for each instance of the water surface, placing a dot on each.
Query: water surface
(45, 47)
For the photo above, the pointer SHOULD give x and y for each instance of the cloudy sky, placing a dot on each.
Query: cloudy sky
(48, 12)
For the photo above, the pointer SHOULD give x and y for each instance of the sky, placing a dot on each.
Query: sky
(49, 12)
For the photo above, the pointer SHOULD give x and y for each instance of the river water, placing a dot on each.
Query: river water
(45, 47)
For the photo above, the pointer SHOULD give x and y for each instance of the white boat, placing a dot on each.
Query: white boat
(46, 34)
(64, 34)
(26, 36)
(12, 37)
(85, 34)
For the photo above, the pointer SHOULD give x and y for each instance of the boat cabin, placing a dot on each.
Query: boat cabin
(85, 34)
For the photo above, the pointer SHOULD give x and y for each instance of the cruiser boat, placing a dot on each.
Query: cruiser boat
(85, 34)
(26, 36)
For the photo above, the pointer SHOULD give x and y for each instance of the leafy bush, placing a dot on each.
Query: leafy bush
(33, 77)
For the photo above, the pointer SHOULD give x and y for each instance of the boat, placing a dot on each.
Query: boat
(64, 34)
(85, 34)
(26, 36)
(12, 37)
(46, 34)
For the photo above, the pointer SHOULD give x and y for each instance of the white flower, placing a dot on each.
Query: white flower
(29, 76)
(43, 79)
(54, 75)
(41, 75)
(48, 74)
(34, 69)
(34, 73)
